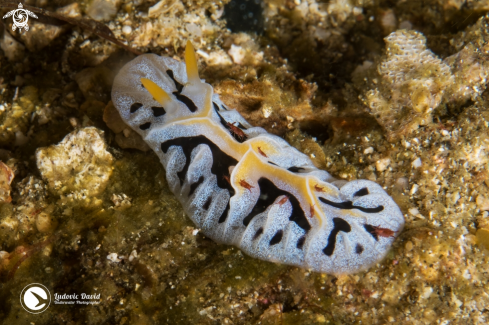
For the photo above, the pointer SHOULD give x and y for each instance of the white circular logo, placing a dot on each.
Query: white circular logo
(35, 298)
(20, 17)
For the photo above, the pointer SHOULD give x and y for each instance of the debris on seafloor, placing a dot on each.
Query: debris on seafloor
(16, 116)
(411, 82)
(68, 14)
(78, 168)
(6, 177)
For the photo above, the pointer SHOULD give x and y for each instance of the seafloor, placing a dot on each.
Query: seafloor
(391, 91)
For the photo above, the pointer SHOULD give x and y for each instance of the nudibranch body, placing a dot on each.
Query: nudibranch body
(245, 187)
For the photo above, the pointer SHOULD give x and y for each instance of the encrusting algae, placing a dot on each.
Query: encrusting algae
(412, 82)
(313, 77)
(78, 168)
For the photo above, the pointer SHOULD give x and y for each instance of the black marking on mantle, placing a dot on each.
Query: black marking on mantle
(295, 169)
(272, 193)
(348, 205)
(226, 124)
(158, 111)
(371, 230)
(339, 225)
(135, 107)
(178, 85)
(184, 99)
(223, 121)
(301, 241)
(359, 249)
(207, 203)
(220, 161)
(277, 238)
(145, 126)
(361, 192)
(187, 101)
(258, 233)
(224, 214)
(194, 186)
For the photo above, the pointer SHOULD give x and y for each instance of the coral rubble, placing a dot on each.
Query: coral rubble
(6, 177)
(411, 82)
(78, 168)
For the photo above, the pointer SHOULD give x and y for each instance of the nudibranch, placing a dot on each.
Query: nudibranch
(245, 187)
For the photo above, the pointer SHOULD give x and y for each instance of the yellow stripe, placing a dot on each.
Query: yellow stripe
(251, 164)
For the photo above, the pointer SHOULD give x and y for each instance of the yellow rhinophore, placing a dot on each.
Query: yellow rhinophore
(191, 63)
(156, 91)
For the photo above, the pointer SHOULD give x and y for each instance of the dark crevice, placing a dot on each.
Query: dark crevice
(318, 129)
(135, 107)
(194, 186)
(348, 205)
(277, 238)
(339, 225)
(244, 16)
(361, 192)
(158, 111)
(145, 126)
(272, 192)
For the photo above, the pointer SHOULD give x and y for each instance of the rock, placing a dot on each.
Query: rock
(95, 82)
(121, 201)
(46, 223)
(125, 137)
(78, 168)
(13, 50)
(382, 164)
(410, 84)
(102, 9)
(470, 66)
(6, 177)
(16, 119)
(41, 34)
